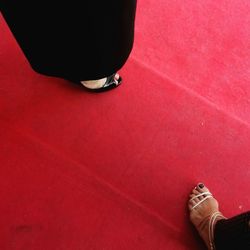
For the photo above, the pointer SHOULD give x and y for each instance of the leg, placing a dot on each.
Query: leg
(233, 233)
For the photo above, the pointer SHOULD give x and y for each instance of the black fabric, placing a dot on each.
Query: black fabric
(233, 234)
(83, 40)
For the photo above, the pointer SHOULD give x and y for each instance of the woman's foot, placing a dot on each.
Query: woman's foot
(204, 213)
(97, 84)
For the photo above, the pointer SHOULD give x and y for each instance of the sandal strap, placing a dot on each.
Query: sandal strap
(212, 220)
(110, 81)
(196, 205)
(201, 194)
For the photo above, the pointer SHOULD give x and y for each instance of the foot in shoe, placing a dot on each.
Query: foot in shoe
(202, 206)
(97, 84)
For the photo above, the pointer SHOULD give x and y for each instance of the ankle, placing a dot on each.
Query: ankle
(214, 218)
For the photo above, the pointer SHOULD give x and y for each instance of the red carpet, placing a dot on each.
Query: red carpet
(113, 171)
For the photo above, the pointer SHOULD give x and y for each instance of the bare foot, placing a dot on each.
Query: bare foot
(201, 214)
(96, 84)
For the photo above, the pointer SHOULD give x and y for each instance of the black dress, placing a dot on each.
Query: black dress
(80, 40)
(233, 233)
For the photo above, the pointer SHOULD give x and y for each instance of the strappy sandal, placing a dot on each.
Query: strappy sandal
(212, 217)
(110, 83)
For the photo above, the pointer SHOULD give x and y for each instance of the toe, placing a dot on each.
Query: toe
(202, 188)
(190, 206)
(193, 199)
(196, 192)
(117, 76)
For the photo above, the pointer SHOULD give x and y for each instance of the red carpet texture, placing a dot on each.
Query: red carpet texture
(113, 171)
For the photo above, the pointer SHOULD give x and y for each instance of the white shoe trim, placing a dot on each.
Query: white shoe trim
(212, 220)
(197, 204)
(201, 194)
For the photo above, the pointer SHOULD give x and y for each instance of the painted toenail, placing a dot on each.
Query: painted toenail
(201, 185)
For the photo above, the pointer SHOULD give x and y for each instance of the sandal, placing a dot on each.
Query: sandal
(212, 218)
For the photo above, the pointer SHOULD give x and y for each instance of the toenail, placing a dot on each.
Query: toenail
(201, 185)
